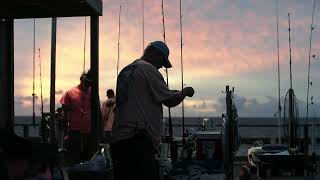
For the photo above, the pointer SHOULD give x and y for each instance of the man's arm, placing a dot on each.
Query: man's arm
(178, 97)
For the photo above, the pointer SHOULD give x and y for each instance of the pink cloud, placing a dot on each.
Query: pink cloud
(238, 41)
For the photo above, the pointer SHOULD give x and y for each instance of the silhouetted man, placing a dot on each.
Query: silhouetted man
(137, 130)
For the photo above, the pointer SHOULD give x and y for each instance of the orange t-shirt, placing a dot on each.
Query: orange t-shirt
(80, 114)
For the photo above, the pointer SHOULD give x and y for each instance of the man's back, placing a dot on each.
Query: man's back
(140, 91)
(137, 130)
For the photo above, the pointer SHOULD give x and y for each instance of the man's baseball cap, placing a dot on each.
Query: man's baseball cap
(163, 48)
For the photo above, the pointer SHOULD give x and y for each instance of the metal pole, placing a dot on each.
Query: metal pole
(53, 79)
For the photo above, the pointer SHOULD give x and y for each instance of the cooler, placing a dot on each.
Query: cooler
(208, 145)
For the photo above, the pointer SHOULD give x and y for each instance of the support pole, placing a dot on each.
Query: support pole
(292, 124)
(230, 133)
(7, 74)
(96, 127)
(53, 79)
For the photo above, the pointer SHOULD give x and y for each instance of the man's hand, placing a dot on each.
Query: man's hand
(188, 91)
(178, 97)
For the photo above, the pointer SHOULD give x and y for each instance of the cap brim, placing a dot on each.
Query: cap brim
(166, 63)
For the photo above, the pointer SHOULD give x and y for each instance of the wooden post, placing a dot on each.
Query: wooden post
(25, 130)
(94, 66)
(230, 133)
(7, 74)
(292, 122)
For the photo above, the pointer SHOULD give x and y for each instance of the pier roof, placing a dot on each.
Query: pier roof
(49, 8)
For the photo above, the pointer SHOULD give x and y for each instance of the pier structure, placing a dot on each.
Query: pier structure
(21, 9)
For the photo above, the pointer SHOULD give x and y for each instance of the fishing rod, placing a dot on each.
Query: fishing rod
(181, 56)
(33, 73)
(43, 126)
(142, 7)
(309, 83)
(292, 101)
(167, 75)
(290, 51)
(119, 41)
(163, 24)
(84, 44)
(279, 103)
(41, 99)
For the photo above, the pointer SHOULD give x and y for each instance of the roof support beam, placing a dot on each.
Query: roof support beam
(53, 79)
(96, 128)
(95, 5)
(49, 8)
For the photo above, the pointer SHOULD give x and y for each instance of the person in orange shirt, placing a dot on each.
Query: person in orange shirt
(76, 104)
(107, 111)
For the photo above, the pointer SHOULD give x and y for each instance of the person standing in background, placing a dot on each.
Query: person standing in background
(107, 111)
(76, 105)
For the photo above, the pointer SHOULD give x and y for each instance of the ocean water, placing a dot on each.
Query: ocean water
(193, 124)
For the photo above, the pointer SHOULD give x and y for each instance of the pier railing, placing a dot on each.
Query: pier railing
(24, 130)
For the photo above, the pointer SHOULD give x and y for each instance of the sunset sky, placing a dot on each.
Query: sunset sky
(225, 43)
